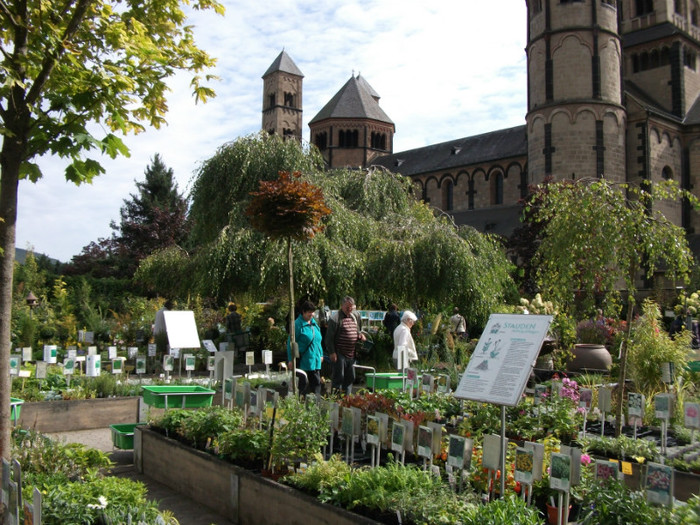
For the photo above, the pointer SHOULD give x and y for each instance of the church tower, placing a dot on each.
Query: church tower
(282, 104)
(351, 130)
(576, 121)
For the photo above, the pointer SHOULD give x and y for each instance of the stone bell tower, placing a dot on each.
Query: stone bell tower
(282, 104)
(576, 121)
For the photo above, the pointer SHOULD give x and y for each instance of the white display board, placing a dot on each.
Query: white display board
(181, 329)
(503, 358)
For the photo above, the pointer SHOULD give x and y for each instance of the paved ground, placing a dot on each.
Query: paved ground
(187, 511)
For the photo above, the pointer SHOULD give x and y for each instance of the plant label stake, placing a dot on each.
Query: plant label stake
(250, 361)
(524, 466)
(604, 404)
(691, 416)
(334, 416)
(373, 438)
(560, 480)
(663, 408)
(459, 455)
(267, 360)
(398, 439)
(490, 460)
(635, 409)
(425, 445)
(352, 420)
(584, 402)
(658, 484)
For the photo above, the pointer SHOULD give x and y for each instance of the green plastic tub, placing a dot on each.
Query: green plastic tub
(15, 409)
(123, 435)
(178, 396)
(694, 366)
(385, 380)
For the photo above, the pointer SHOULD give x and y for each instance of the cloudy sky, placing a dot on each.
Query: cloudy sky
(452, 69)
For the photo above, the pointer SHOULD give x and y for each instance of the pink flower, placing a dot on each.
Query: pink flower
(585, 459)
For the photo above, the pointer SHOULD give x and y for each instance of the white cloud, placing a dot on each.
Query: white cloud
(443, 71)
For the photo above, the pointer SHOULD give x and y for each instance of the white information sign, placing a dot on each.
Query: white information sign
(111, 352)
(151, 349)
(691, 413)
(50, 354)
(189, 362)
(503, 358)
(250, 358)
(132, 352)
(27, 353)
(209, 345)
(267, 357)
(181, 328)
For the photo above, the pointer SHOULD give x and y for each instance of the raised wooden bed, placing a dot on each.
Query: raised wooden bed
(233, 492)
(81, 414)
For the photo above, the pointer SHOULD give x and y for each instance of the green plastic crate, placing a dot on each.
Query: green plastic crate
(178, 396)
(694, 366)
(123, 435)
(385, 380)
(15, 408)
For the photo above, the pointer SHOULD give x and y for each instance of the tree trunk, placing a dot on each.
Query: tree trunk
(292, 335)
(9, 179)
(623, 368)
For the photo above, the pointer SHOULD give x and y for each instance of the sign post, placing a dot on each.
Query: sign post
(501, 364)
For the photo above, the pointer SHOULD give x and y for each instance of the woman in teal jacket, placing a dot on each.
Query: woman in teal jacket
(308, 336)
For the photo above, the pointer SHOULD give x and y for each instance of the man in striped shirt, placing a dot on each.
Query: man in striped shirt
(344, 331)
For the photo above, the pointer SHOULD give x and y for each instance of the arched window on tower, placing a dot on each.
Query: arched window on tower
(378, 140)
(447, 196)
(694, 13)
(653, 59)
(289, 100)
(667, 173)
(644, 7)
(644, 61)
(321, 140)
(678, 6)
(348, 138)
(271, 100)
(635, 63)
(665, 56)
(689, 59)
(496, 188)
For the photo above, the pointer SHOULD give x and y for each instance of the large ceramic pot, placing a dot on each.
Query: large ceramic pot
(589, 357)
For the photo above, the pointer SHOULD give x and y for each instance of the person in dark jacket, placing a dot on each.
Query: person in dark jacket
(344, 331)
(391, 319)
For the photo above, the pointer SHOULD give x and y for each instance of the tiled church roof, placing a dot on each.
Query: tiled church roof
(502, 144)
(354, 100)
(283, 63)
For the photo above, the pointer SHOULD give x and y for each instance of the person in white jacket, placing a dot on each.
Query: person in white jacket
(404, 339)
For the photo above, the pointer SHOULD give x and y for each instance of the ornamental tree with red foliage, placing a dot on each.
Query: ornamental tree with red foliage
(288, 207)
(293, 209)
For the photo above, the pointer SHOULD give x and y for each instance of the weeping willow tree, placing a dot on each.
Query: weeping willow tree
(379, 243)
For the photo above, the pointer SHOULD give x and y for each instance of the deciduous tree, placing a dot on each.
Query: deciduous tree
(67, 65)
(598, 234)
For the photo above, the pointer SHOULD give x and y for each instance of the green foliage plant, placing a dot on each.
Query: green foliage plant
(611, 503)
(650, 347)
(597, 234)
(300, 431)
(244, 446)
